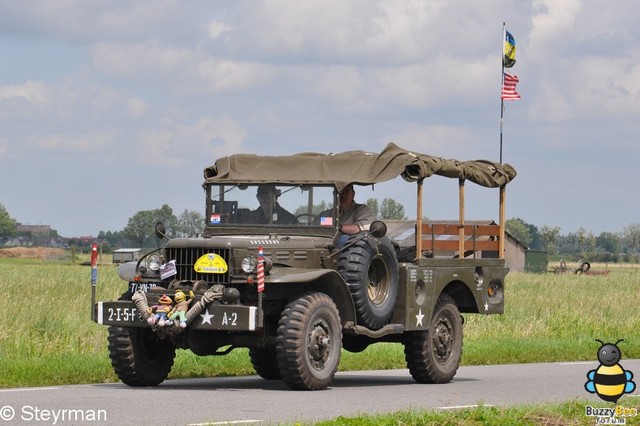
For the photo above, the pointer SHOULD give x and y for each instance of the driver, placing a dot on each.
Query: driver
(267, 196)
(353, 217)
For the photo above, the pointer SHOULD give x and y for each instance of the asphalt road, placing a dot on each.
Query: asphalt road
(252, 400)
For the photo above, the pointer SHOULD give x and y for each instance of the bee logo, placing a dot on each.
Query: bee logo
(609, 381)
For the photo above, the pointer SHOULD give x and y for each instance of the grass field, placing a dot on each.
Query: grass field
(47, 337)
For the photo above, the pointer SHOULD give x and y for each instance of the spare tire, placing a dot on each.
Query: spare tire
(370, 268)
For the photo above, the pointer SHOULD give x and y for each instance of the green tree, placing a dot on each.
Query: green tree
(390, 209)
(113, 240)
(549, 237)
(375, 209)
(631, 235)
(7, 223)
(165, 215)
(582, 240)
(317, 208)
(519, 229)
(608, 242)
(141, 226)
(190, 222)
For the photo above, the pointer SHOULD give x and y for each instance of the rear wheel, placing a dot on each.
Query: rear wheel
(139, 357)
(308, 342)
(433, 356)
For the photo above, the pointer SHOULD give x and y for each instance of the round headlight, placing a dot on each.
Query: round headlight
(248, 264)
(154, 262)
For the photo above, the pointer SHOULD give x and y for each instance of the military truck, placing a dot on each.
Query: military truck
(287, 284)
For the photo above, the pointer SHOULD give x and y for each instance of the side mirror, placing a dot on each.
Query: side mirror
(378, 229)
(161, 231)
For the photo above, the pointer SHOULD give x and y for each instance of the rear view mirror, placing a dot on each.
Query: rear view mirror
(378, 229)
(161, 230)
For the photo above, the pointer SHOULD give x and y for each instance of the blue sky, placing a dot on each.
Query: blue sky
(111, 107)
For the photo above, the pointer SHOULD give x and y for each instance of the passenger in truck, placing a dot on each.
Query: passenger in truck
(267, 196)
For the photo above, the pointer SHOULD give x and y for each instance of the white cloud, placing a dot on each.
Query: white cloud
(176, 84)
(35, 92)
(219, 75)
(444, 82)
(137, 107)
(158, 147)
(82, 22)
(190, 71)
(140, 59)
(74, 143)
(217, 28)
(552, 21)
(4, 147)
(439, 140)
(180, 143)
(609, 87)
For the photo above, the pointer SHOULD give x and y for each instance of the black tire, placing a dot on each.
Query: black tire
(139, 357)
(265, 362)
(585, 266)
(308, 342)
(433, 356)
(372, 276)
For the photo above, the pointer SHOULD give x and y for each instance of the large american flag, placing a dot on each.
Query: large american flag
(509, 87)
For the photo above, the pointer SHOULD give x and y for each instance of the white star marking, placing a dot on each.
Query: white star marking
(486, 306)
(419, 318)
(206, 317)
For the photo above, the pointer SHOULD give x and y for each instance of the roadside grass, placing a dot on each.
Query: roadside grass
(568, 413)
(47, 337)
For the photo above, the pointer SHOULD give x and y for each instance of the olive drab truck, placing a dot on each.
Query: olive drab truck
(284, 282)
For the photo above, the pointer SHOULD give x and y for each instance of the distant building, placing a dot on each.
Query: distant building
(34, 229)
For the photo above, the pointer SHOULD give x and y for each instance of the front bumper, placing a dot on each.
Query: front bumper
(215, 316)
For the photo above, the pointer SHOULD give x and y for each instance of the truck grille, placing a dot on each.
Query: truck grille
(186, 257)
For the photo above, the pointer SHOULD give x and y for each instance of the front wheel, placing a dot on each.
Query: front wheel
(139, 357)
(265, 362)
(308, 342)
(433, 356)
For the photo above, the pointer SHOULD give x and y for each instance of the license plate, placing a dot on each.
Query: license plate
(118, 313)
(213, 317)
(133, 286)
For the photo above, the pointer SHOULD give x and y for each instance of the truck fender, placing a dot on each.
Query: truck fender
(127, 271)
(325, 281)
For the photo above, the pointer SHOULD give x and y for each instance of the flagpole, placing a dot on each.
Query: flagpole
(94, 278)
(504, 35)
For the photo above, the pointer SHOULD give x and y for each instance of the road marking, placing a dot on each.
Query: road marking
(230, 422)
(460, 407)
(27, 389)
(579, 363)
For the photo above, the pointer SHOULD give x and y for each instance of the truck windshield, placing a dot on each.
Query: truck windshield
(270, 204)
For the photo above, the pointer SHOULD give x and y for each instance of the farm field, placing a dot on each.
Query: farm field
(47, 336)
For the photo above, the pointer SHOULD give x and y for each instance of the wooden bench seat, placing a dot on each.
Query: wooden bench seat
(476, 237)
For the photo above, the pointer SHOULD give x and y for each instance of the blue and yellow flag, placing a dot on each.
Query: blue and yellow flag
(509, 50)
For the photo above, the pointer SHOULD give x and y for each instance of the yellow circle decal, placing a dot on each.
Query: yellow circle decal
(210, 263)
